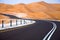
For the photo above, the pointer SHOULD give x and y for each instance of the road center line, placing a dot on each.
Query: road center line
(54, 25)
(50, 33)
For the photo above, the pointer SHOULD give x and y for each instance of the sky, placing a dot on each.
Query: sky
(27, 1)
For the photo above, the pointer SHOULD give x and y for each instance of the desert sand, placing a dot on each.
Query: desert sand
(35, 10)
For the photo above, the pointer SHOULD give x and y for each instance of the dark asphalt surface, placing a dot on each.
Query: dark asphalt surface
(56, 35)
(35, 31)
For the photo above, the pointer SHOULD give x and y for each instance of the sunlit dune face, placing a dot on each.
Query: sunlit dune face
(20, 15)
(35, 10)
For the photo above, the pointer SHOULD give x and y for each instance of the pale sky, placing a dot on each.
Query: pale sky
(27, 1)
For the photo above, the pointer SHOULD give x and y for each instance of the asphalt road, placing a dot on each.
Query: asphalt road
(35, 31)
(41, 30)
(56, 35)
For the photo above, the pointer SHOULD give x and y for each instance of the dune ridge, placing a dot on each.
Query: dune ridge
(36, 10)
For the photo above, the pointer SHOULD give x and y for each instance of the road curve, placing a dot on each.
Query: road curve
(35, 31)
(50, 33)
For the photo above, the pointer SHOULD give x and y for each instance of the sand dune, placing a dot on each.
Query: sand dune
(36, 10)
(56, 6)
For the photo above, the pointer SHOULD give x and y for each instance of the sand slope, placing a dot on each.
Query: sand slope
(36, 10)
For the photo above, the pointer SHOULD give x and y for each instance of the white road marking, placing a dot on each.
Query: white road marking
(50, 33)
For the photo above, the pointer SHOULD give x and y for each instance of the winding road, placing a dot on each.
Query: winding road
(41, 30)
(50, 33)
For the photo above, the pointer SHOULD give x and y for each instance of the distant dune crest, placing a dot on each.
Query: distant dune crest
(36, 10)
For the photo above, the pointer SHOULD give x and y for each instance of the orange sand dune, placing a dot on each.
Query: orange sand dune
(56, 6)
(36, 10)
(40, 6)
